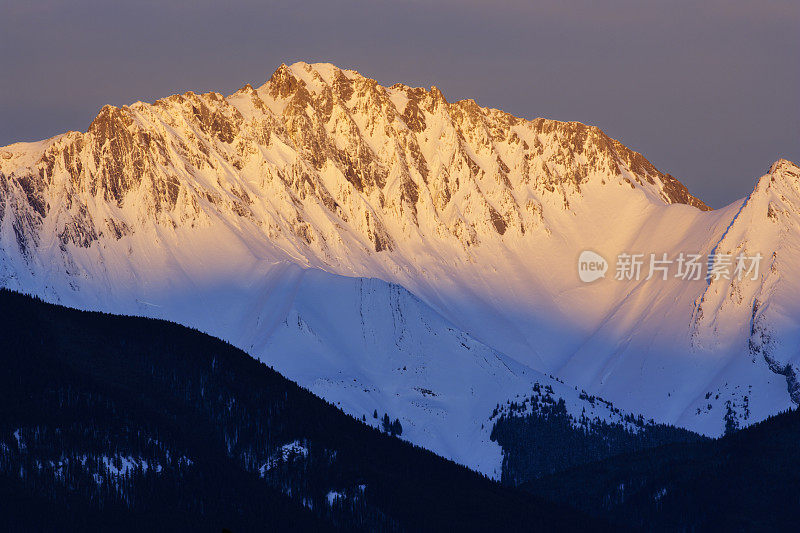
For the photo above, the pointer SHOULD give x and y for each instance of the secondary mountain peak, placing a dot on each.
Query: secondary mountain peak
(784, 165)
(783, 174)
(777, 193)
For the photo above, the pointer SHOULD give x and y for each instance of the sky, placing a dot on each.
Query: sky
(708, 91)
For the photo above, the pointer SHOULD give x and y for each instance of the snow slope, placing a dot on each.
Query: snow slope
(260, 216)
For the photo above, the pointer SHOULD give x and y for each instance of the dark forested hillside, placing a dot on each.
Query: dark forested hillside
(746, 481)
(111, 422)
(539, 436)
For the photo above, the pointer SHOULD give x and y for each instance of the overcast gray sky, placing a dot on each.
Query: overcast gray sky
(708, 91)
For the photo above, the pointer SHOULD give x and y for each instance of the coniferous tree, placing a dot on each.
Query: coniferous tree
(397, 428)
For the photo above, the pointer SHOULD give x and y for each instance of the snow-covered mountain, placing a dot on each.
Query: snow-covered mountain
(391, 250)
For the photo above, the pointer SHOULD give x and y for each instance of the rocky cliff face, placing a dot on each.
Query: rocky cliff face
(314, 153)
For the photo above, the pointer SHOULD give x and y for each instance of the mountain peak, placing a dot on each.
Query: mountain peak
(344, 153)
(782, 181)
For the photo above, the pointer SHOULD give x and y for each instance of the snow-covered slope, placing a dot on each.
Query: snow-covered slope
(239, 215)
(767, 223)
(370, 347)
